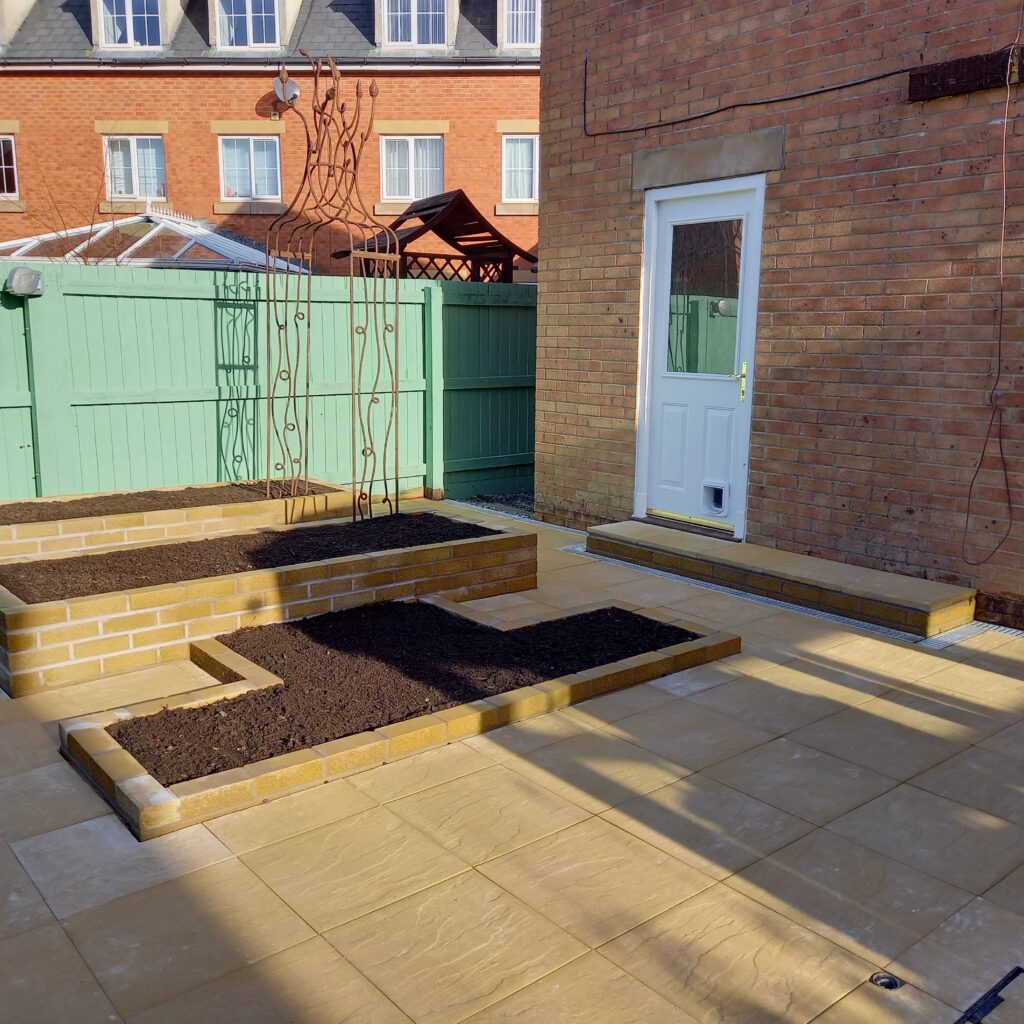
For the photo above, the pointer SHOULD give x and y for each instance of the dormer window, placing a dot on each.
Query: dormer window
(131, 22)
(522, 22)
(248, 22)
(415, 22)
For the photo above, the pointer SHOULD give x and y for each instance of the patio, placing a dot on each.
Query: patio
(743, 842)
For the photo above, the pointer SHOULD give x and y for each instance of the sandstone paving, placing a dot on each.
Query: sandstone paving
(663, 854)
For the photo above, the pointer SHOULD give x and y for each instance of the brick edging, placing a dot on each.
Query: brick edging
(150, 809)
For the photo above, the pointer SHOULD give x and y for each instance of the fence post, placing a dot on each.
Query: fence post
(49, 374)
(433, 358)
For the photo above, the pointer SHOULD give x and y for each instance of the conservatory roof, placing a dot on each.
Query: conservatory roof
(145, 240)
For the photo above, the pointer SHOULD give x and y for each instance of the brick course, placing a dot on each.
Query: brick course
(57, 112)
(876, 343)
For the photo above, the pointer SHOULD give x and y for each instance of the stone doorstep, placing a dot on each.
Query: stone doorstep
(470, 568)
(918, 606)
(150, 809)
(41, 540)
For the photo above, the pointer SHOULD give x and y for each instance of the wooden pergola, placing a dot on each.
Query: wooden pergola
(481, 252)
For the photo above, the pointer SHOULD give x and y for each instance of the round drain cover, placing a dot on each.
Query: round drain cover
(883, 979)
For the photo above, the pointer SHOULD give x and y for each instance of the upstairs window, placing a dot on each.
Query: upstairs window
(522, 22)
(250, 168)
(8, 168)
(520, 169)
(135, 167)
(248, 22)
(415, 22)
(412, 167)
(131, 22)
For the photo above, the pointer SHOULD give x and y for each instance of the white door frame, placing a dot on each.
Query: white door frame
(750, 280)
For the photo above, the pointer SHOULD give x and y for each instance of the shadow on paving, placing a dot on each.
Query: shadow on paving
(206, 942)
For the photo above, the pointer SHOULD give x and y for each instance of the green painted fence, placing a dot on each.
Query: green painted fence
(120, 378)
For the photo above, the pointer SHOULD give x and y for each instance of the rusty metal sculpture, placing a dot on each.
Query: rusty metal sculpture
(327, 208)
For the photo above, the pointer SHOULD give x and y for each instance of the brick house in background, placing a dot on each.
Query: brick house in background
(109, 105)
(779, 322)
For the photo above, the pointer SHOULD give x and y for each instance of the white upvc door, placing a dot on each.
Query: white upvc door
(702, 257)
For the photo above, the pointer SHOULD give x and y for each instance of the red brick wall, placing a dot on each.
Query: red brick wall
(876, 336)
(60, 157)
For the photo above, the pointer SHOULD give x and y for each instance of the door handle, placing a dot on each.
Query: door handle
(742, 378)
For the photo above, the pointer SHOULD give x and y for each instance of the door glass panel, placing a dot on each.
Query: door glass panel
(704, 297)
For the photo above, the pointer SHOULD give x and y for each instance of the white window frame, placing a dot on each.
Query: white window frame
(131, 44)
(17, 181)
(409, 140)
(223, 44)
(536, 168)
(276, 139)
(506, 13)
(413, 41)
(133, 140)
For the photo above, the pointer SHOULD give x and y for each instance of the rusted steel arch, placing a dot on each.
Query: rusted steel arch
(328, 201)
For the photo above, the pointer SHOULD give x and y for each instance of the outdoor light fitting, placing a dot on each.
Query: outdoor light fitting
(24, 282)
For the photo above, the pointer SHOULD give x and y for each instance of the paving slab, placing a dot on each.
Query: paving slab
(310, 983)
(87, 864)
(595, 880)
(590, 990)
(808, 783)
(454, 949)
(22, 908)
(155, 944)
(870, 904)
(722, 956)
(981, 779)
(948, 840)
(44, 799)
(972, 951)
(709, 826)
(870, 1004)
(488, 813)
(351, 867)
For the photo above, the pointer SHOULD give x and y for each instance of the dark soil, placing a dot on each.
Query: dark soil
(143, 501)
(351, 671)
(58, 579)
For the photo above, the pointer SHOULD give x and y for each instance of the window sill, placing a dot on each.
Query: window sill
(392, 207)
(133, 205)
(266, 207)
(12, 205)
(519, 209)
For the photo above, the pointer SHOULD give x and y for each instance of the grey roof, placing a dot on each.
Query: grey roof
(59, 31)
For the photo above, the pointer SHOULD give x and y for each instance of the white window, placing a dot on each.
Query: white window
(412, 167)
(520, 169)
(135, 167)
(415, 22)
(522, 22)
(8, 168)
(248, 22)
(131, 22)
(250, 168)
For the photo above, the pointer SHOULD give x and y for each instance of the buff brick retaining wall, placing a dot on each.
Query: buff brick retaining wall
(60, 642)
(151, 809)
(67, 536)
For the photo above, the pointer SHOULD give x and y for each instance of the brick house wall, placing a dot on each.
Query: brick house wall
(876, 340)
(60, 153)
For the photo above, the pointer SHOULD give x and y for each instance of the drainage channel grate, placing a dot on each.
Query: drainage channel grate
(937, 642)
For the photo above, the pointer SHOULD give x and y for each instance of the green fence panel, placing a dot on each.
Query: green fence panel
(490, 359)
(139, 378)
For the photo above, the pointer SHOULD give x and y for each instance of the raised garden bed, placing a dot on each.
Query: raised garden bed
(215, 586)
(61, 579)
(48, 526)
(50, 510)
(349, 697)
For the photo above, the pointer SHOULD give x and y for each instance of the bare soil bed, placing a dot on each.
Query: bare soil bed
(352, 671)
(59, 579)
(142, 501)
